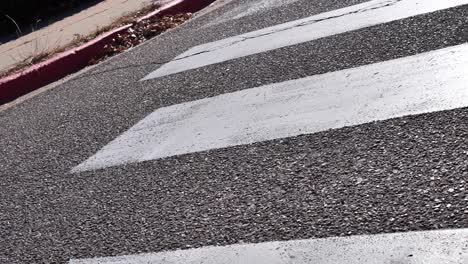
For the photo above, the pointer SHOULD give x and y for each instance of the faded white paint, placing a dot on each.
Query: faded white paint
(299, 31)
(258, 6)
(430, 247)
(248, 8)
(433, 81)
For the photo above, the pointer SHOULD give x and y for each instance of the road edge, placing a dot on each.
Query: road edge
(71, 61)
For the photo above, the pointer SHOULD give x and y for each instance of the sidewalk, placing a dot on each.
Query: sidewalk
(65, 31)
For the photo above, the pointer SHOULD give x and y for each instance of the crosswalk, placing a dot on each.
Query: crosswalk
(302, 131)
(432, 81)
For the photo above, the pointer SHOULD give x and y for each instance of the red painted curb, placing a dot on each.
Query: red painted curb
(65, 63)
(41, 74)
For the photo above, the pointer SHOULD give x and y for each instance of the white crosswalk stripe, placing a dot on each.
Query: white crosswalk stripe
(326, 24)
(432, 247)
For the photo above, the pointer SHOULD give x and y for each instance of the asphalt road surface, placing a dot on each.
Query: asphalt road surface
(255, 122)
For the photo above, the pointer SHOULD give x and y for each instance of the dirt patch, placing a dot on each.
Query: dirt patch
(140, 32)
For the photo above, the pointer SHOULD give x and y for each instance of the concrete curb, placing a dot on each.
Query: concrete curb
(65, 63)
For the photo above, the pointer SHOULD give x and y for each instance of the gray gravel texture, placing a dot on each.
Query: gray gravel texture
(396, 175)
